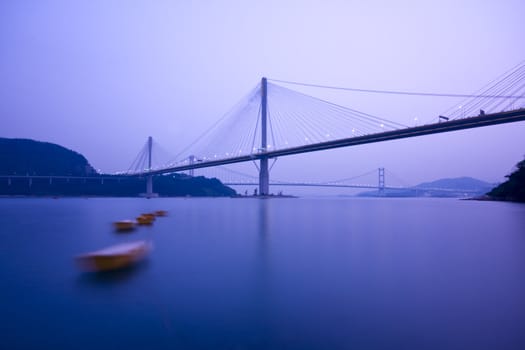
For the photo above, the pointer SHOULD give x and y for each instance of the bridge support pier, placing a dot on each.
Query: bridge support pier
(264, 178)
(264, 173)
(192, 161)
(149, 186)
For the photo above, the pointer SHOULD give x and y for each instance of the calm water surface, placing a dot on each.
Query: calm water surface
(266, 274)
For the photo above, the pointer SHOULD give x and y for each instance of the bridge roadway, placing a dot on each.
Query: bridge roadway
(308, 184)
(288, 184)
(447, 126)
(237, 183)
(372, 187)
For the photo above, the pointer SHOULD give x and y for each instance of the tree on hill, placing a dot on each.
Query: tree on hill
(29, 157)
(514, 188)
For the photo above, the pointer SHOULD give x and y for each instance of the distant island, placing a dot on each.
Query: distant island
(34, 168)
(514, 188)
(460, 187)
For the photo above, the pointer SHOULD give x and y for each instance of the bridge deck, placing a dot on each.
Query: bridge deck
(448, 126)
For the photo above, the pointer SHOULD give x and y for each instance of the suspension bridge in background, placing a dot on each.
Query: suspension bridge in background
(273, 121)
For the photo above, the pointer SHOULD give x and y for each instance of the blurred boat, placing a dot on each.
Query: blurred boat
(124, 225)
(160, 213)
(114, 257)
(149, 215)
(145, 219)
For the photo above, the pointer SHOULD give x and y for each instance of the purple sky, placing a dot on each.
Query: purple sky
(100, 76)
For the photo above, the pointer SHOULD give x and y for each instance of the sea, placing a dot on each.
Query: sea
(276, 273)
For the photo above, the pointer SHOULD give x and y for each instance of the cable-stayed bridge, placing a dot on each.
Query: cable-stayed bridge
(273, 121)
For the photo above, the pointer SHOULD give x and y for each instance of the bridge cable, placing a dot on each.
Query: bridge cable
(392, 92)
(496, 87)
(222, 118)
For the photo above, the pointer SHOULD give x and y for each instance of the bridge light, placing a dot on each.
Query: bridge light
(382, 125)
(460, 109)
(353, 131)
(327, 135)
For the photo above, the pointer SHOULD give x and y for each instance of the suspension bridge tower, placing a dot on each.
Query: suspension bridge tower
(381, 184)
(264, 175)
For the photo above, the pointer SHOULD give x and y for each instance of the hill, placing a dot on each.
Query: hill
(457, 184)
(33, 168)
(450, 187)
(29, 157)
(514, 188)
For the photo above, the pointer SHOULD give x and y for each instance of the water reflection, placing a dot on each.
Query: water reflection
(112, 278)
(270, 274)
(262, 239)
(263, 219)
(261, 303)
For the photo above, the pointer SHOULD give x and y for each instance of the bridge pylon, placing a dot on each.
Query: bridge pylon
(264, 174)
(149, 178)
(191, 159)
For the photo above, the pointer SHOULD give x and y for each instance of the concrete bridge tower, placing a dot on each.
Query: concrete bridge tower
(149, 178)
(264, 175)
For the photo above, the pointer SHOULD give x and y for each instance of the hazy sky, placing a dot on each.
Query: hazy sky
(100, 76)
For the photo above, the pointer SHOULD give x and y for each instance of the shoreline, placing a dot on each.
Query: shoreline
(486, 198)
